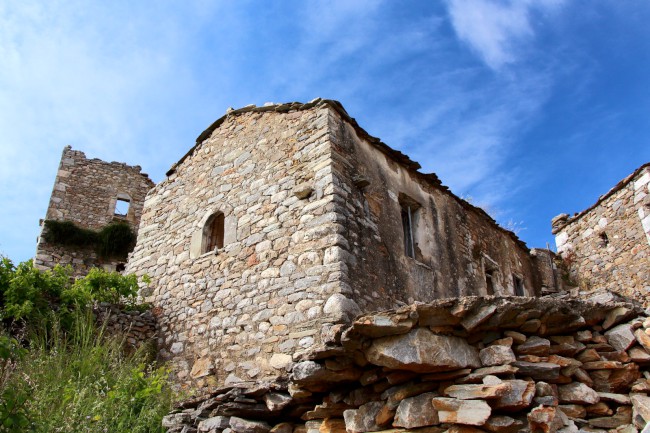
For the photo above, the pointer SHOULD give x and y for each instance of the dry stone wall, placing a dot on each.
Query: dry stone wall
(608, 245)
(85, 192)
(137, 327)
(457, 365)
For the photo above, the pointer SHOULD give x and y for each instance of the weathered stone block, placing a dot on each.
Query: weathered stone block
(422, 351)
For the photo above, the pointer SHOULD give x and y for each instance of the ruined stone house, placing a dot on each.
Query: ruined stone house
(284, 220)
(91, 194)
(607, 246)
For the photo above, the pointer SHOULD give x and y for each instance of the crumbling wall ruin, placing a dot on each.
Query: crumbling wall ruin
(86, 192)
(608, 245)
(456, 365)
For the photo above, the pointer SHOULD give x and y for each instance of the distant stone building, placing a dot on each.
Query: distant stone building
(91, 194)
(284, 220)
(607, 246)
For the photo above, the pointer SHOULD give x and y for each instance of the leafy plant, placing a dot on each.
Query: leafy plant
(13, 416)
(73, 377)
(68, 233)
(80, 380)
(114, 240)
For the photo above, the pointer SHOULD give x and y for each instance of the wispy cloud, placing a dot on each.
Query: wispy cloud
(496, 30)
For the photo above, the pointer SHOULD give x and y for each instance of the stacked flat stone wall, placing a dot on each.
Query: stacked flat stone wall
(85, 192)
(608, 245)
(458, 365)
(137, 327)
(240, 312)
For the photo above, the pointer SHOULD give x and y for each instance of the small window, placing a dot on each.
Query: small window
(519, 286)
(489, 282)
(604, 240)
(213, 232)
(120, 267)
(410, 215)
(122, 207)
(407, 225)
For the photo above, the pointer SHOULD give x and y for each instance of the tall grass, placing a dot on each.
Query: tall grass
(81, 380)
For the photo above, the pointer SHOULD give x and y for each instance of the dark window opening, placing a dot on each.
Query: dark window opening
(120, 267)
(519, 286)
(407, 225)
(122, 207)
(489, 282)
(410, 210)
(213, 232)
(604, 240)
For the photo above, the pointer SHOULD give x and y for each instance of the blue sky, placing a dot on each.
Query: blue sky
(531, 108)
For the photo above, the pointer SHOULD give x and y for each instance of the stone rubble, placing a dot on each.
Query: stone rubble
(373, 376)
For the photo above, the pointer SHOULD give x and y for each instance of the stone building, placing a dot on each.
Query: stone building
(91, 194)
(607, 246)
(284, 220)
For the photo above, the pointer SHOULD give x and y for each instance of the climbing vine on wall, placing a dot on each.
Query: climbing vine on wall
(115, 240)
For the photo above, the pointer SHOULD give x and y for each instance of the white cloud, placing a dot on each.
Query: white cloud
(496, 30)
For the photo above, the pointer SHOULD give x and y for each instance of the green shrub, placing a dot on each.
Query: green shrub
(36, 297)
(68, 233)
(29, 294)
(73, 378)
(106, 286)
(80, 380)
(115, 240)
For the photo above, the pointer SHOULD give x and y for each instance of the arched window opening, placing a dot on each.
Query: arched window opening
(213, 232)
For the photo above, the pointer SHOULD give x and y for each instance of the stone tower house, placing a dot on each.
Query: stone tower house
(286, 220)
(91, 194)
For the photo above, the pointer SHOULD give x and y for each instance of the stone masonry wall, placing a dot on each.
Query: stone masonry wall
(302, 241)
(456, 243)
(85, 192)
(241, 313)
(468, 365)
(608, 245)
(137, 327)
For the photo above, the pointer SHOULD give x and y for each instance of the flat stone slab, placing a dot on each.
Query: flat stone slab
(470, 412)
(478, 391)
(422, 351)
(416, 412)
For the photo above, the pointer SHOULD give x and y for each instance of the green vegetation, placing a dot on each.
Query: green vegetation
(66, 375)
(115, 240)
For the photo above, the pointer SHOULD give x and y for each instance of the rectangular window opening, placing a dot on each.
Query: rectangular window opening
(489, 281)
(519, 286)
(122, 207)
(410, 216)
(407, 225)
